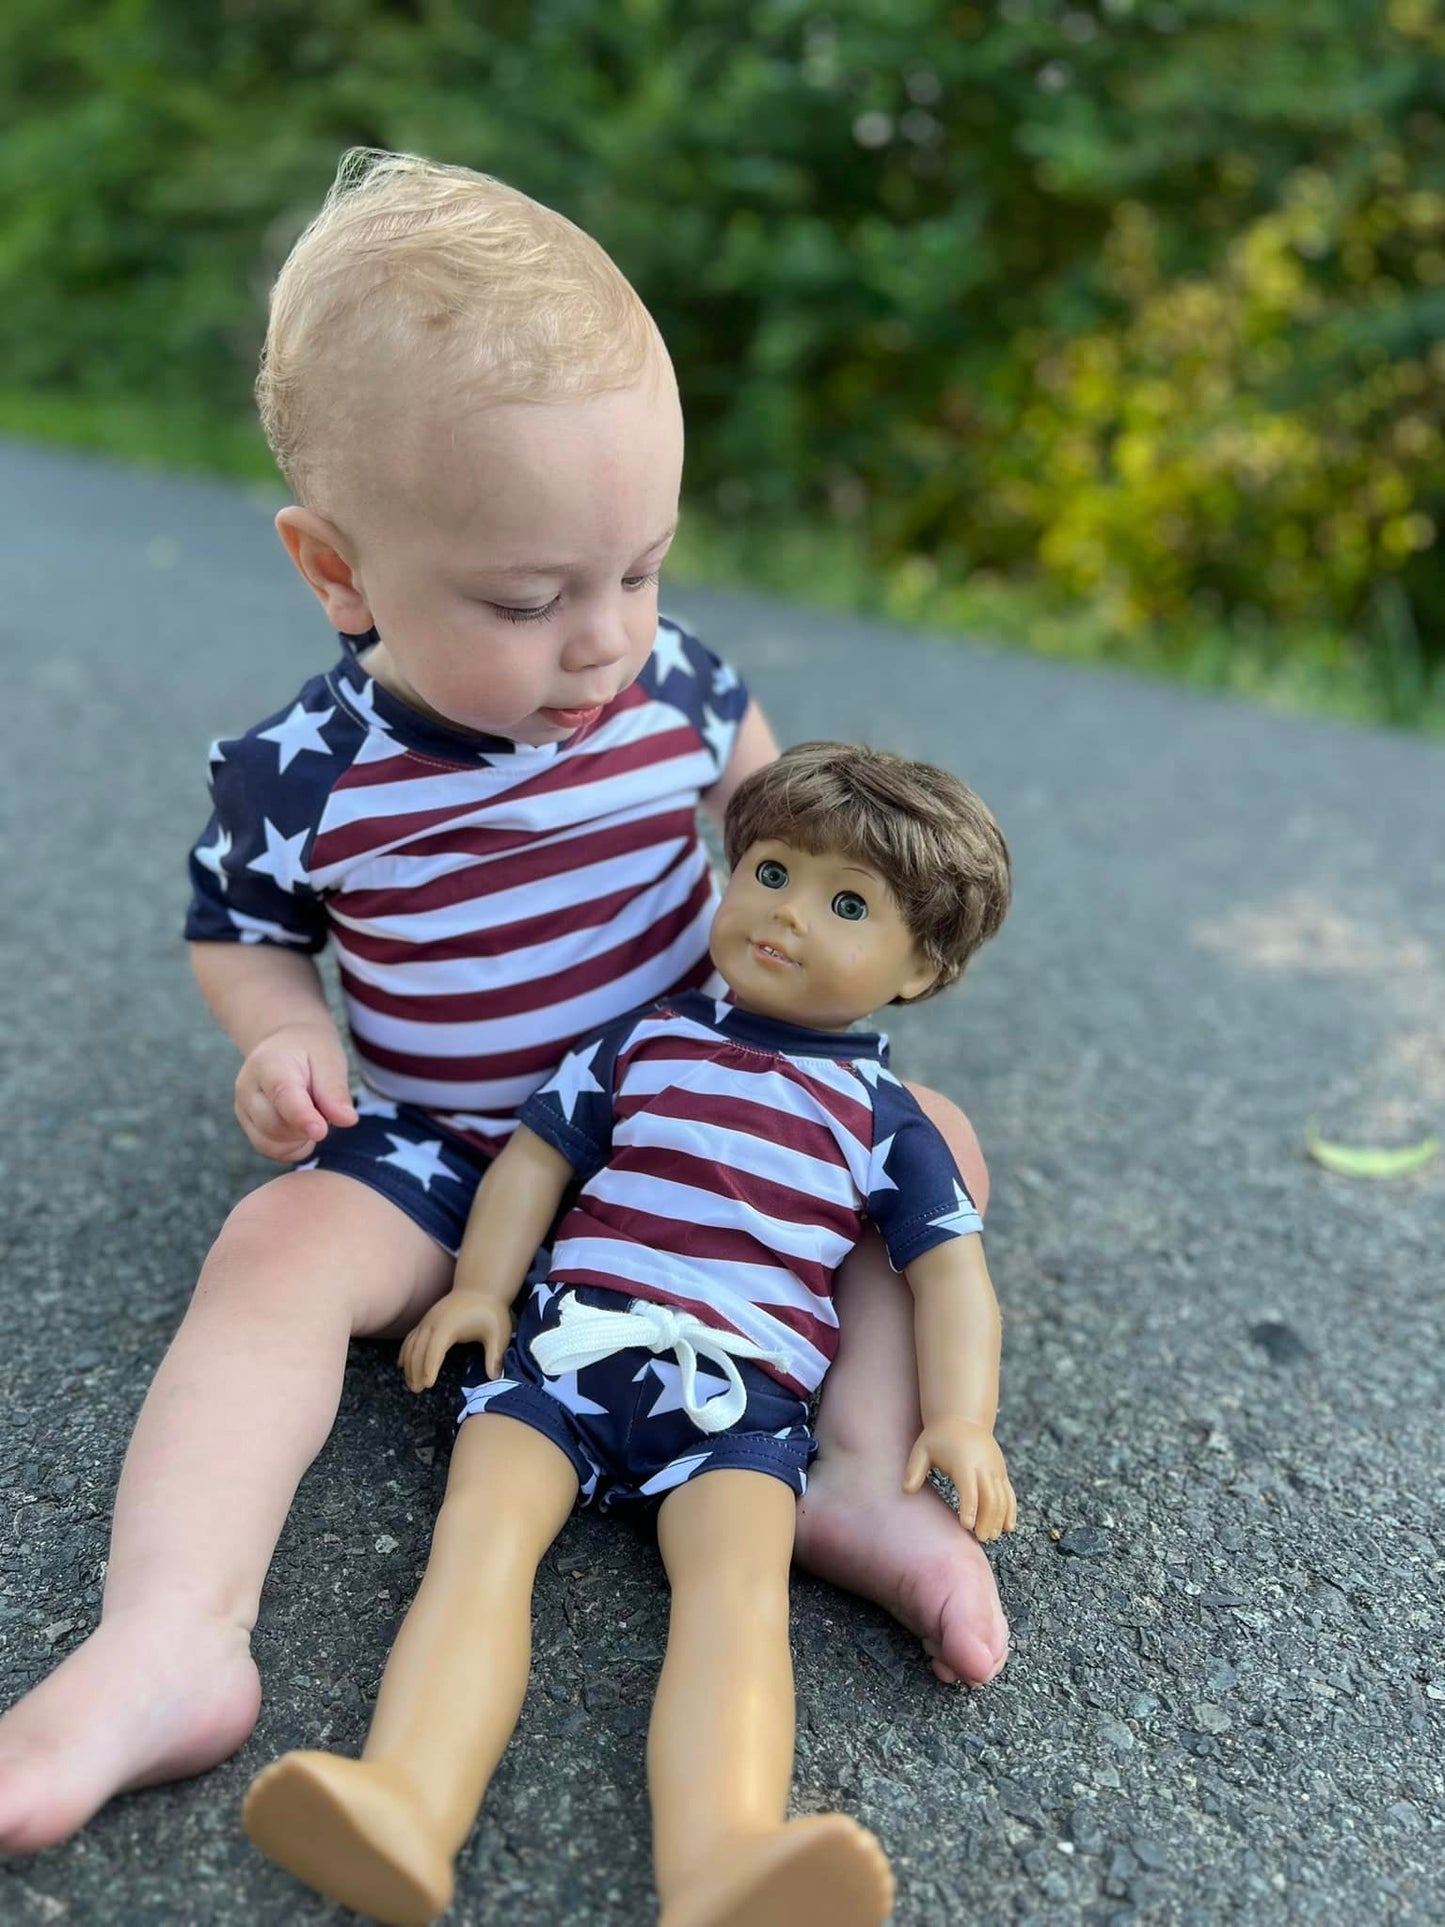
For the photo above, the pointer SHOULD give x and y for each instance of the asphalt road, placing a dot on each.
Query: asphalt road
(1222, 1388)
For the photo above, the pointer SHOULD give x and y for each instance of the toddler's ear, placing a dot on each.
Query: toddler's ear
(321, 553)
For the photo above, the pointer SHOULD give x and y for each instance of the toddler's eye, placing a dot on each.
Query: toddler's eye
(772, 874)
(510, 613)
(849, 906)
(632, 583)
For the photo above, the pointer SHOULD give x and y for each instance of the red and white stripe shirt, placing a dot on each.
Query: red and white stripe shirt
(490, 902)
(730, 1164)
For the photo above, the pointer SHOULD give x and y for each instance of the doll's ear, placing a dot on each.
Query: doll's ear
(922, 977)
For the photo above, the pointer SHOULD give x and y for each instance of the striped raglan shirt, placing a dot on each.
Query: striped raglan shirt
(730, 1162)
(489, 902)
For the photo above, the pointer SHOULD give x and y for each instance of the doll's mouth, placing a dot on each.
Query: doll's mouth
(768, 953)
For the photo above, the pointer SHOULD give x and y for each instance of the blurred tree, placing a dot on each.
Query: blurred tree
(1141, 296)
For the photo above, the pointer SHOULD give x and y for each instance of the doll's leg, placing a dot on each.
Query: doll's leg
(380, 1833)
(449, 1700)
(241, 1403)
(720, 1749)
(857, 1527)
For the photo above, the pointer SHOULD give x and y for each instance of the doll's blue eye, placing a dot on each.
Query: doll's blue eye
(772, 874)
(849, 906)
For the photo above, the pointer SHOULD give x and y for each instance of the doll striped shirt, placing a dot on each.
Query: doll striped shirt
(489, 902)
(730, 1163)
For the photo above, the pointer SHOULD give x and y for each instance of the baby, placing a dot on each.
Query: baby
(488, 807)
(730, 1150)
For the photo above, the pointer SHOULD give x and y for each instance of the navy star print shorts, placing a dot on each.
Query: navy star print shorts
(621, 1421)
(404, 1153)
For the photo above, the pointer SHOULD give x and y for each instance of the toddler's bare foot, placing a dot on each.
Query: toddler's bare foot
(825, 1871)
(352, 1830)
(143, 1700)
(907, 1552)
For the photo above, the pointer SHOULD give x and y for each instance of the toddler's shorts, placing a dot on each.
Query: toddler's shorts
(403, 1152)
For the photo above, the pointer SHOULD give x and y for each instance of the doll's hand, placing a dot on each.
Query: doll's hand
(968, 1454)
(461, 1318)
(292, 1088)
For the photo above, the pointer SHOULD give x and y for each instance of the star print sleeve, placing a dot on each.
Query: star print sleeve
(916, 1196)
(573, 1110)
(249, 882)
(709, 694)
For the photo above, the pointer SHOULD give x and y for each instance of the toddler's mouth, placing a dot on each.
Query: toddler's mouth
(572, 718)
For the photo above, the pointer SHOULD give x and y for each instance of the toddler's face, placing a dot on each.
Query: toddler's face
(814, 940)
(512, 573)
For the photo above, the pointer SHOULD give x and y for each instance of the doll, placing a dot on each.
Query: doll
(730, 1152)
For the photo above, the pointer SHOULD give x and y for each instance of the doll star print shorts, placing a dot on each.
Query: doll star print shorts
(622, 1422)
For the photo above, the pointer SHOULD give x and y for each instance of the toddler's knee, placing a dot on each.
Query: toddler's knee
(257, 1242)
(255, 1221)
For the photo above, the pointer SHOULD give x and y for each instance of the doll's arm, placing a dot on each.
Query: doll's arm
(511, 1215)
(957, 1337)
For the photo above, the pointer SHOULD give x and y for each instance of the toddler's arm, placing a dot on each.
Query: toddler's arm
(957, 1336)
(511, 1215)
(753, 748)
(294, 1082)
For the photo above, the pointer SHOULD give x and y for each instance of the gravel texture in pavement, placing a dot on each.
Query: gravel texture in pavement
(1222, 1385)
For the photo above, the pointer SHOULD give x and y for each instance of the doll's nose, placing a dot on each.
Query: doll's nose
(788, 917)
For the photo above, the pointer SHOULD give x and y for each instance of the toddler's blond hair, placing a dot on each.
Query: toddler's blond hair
(413, 268)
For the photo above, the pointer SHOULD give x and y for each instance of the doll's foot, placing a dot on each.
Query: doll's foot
(352, 1830)
(908, 1553)
(141, 1701)
(825, 1871)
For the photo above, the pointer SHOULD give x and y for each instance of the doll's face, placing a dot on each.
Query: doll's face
(814, 940)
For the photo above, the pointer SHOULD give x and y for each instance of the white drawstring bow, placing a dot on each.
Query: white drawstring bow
(585, 1334)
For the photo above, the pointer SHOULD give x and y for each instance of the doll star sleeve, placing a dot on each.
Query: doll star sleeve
(916, 1194)
(574, 1110)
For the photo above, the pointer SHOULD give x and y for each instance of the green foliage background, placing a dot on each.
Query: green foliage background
(1139, 305)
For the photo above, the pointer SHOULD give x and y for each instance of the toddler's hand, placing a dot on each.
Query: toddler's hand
(458, 1319)
(968, 1454)
(292, 1088)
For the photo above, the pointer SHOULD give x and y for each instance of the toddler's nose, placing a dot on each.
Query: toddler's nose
(595, 645)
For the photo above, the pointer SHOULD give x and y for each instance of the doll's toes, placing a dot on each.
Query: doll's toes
(352, 1831)
(824, 1871)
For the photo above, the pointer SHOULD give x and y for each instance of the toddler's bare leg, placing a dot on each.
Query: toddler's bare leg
(720, 1749)
(380, 1833)
(857, 1527)
(241, 1404)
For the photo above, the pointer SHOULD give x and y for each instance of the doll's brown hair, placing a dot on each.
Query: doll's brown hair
(925, 832)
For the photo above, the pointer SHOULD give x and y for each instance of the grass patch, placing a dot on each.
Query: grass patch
(149, 434)
(1378, 678)
(1381, 678)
